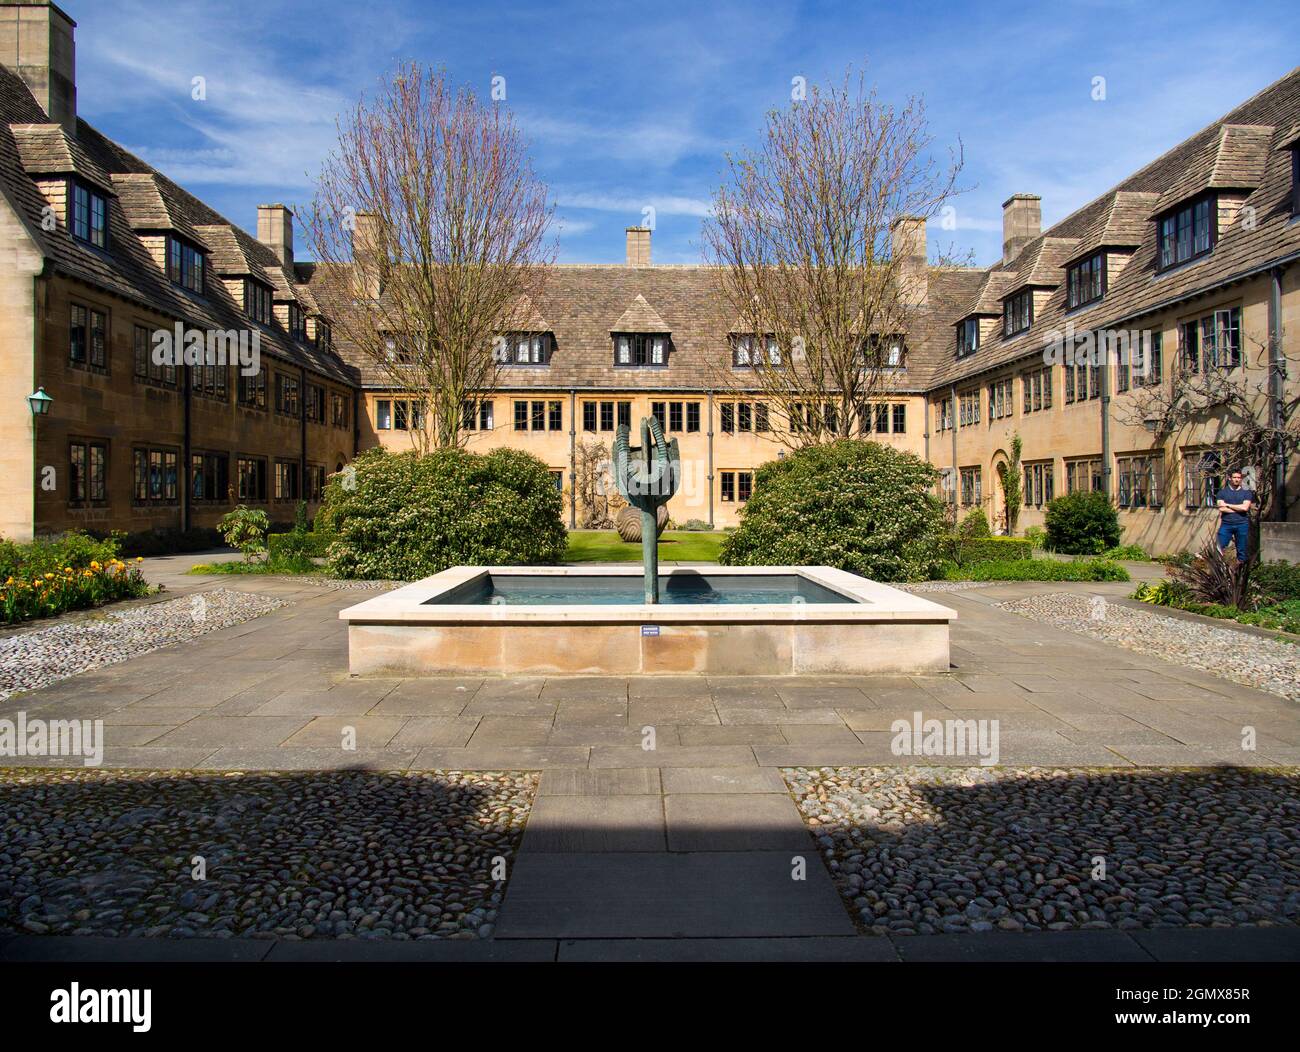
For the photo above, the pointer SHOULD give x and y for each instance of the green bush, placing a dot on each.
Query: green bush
(985, 549)
(163, 540)
(695, 526)
(1041, 570)
(298, 544)
(73, 572)
(858, 506)
(245, 528)
(1278, 582)
(1037, 536)
(403, 516)
(1082, 523)
(975, 524)
(1282, 616)
(1131, 552)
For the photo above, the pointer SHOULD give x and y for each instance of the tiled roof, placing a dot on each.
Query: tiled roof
(1233, 160)
(527, 318)
(640, 317)
(144, 200)
(584, 305)
(1241, 150)
(149, 207)
(46, 149)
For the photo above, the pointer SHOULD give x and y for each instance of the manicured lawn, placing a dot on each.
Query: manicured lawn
(605, 546)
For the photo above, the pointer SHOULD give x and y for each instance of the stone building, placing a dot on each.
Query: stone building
(1187, 264)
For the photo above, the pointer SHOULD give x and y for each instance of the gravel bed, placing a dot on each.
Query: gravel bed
(292, 856)
(339, 584)
(929, 850)
(41, 656)
(1237, 656)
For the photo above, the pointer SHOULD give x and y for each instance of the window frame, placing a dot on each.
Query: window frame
(186, 264)
(968, 336)
(540, 350)
(259, 303)
(84, 229)
(1010, 314)
(249, 468)
(1096, 267)
(1170, 229)
(641, 346)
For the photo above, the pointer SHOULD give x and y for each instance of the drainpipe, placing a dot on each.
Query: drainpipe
(956, 471)
(183, 475)
(1104, 380)
(1277, 391)
(302, 439)
(709, 434)
(573, 459)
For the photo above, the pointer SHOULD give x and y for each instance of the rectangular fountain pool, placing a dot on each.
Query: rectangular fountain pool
(684, 587)
(738, 620)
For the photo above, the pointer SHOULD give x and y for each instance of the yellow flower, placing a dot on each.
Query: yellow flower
(139, 558)
(49, 577)
(94, 564)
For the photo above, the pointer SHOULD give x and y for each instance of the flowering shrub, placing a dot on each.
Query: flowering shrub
(47, 578)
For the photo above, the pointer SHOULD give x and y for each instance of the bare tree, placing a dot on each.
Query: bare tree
(801, 241)
(430, 195)
(1230, 406)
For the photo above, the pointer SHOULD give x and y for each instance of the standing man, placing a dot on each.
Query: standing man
(1234, 504)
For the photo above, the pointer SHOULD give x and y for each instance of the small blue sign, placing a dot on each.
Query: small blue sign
(649, 630)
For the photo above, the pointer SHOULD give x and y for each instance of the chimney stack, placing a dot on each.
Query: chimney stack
(908, 247)
(275, 231)
(366, 252)
(1022, 221)
(638, 246)
(36, 42)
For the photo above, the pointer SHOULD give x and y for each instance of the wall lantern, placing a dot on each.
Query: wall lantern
(40, 402)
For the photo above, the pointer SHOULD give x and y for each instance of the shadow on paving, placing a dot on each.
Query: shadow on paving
(91, 852)
(959, 850)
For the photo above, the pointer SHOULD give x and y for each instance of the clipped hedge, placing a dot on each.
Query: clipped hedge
(1040, 570)
(1278, 582)
(298, 543)
(986, 549)
(855, 505)
(403, 516)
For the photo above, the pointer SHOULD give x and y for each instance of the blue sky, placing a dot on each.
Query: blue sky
(629, 105)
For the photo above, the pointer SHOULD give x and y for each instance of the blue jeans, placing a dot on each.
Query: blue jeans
(1238, 533)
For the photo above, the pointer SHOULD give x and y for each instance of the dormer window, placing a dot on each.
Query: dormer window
(1295, 180)
(257, 301)
(1187, 232)
(1086, 281)
(89, 215)
(884, 352)
(637, 349)
(748, 350)
(184, 264)
(324, 337)
(1017, 312)
(525, 348)
(968, 336)
(297, 323)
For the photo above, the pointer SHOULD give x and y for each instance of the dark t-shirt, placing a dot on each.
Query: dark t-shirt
(1235, 496)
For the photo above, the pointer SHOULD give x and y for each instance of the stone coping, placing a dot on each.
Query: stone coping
(872, 601)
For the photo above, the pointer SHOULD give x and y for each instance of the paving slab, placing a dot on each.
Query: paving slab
(1280, 944)
(722, 780)
(734, 822)
(672, 756)
(501, 757)
(617, 781)
(651, 895)
(306, 758)
(829, 949)
(215, 732)
(365, 732)
(595, 823)
(1046, 946)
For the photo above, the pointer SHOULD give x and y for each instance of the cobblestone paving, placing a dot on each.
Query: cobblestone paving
(1238, 656)
(344, 855)
(34, 658)
(926, 850)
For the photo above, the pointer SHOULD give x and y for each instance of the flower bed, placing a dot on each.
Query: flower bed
(48, 578)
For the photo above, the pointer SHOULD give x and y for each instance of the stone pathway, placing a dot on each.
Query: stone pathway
(696, 835)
